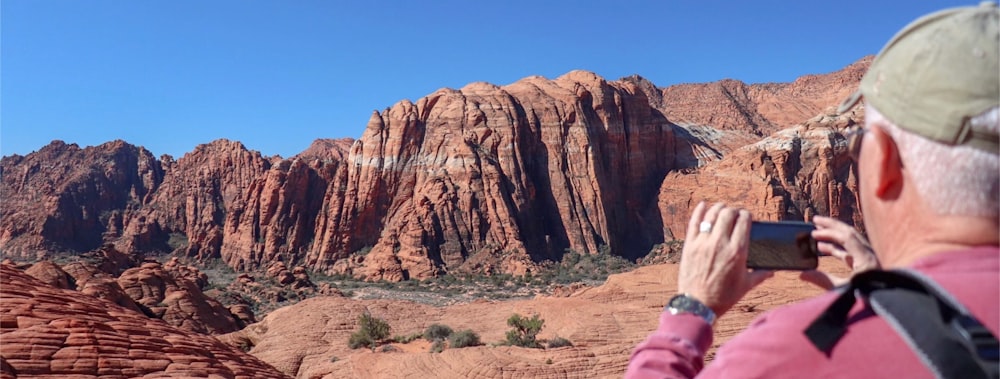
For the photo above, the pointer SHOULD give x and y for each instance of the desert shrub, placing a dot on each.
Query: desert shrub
(359, 340)
(177, 241)
(363, 251)
(407, 338)
(464, 338)
(548, 361)
(525, 330)
(371, 330)
(244, 344)
(437, 332)
(437, 347)
(559, 342)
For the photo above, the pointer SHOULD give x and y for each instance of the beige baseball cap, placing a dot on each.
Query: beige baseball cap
(937, 73)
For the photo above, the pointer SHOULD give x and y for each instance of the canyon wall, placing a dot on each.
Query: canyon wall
(484, 178)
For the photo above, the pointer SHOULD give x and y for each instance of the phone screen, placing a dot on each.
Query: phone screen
(785, 245)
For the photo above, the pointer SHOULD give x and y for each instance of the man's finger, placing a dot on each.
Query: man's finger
(696, 216)
(723, 226)
(832, 235)
(823, 222)
(710, 217)
(818, 278)
(741, 232)
(831, 249)
(713, 213)
(756, 277)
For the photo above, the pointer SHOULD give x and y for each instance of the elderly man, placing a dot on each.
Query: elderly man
(929, 179)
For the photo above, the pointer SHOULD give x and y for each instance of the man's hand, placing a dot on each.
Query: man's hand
(844, 242)
(713, 263)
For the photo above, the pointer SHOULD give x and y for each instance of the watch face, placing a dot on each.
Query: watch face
(685, 304)
(681, 302)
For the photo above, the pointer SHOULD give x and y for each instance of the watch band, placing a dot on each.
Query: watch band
(683, 303)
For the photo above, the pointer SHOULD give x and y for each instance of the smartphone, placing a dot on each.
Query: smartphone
(782, 245)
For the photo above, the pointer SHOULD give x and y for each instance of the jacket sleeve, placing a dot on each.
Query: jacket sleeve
(675, 350)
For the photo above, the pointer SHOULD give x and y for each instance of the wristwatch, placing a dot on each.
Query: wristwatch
(682, 303)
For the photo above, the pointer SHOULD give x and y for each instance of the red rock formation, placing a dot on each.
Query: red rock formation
(63, 198)
(485, 178)
(187, 213)
(490, 178)
(276, 287)
(51, 274)
(109, 260)
(792, 175)
(244, 315)
(92, 280)
(186, 272)
(760, 108)
(49, 332)
(176, 300)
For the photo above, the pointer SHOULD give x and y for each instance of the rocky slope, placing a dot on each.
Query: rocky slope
(49, 332)
(172, 292)
(484, 178)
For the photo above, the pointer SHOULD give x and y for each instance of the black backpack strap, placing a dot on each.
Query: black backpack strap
(942, 332)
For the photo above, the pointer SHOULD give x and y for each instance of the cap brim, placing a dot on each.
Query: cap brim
(849, 102)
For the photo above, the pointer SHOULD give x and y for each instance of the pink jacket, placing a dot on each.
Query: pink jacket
(774, 346)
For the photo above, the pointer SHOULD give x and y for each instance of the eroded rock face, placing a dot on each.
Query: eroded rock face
(93, 281)
(51, 274)
(760, 108)
(187, 213)
(794, 174)
(175, 299)
(64, 198)
(484, 178)
(50, 332)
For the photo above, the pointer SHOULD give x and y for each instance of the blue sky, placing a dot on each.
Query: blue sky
(275, 75)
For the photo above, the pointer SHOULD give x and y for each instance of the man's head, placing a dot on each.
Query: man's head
(932, 99)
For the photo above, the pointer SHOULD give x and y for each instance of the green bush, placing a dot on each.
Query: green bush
(437, 332)
(464, 338)
(437, 347)
(559, 342)
(359, 340)
(525, 330)
(407, 338)
(371, 330)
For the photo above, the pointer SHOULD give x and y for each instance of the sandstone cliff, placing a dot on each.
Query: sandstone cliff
(793, 174)
(484, 178)
(64, 198)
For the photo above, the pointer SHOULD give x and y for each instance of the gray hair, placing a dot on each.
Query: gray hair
(953, 180)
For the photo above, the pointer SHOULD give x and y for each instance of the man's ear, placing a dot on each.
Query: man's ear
(889, 167)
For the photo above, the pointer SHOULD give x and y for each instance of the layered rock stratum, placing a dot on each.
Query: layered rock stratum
(485, 178)
(50, 332)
